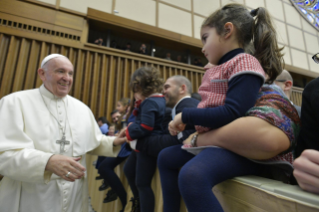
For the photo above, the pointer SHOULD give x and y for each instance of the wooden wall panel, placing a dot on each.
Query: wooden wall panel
(100, 78)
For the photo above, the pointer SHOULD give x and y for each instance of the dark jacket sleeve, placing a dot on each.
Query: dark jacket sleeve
(152, 145)
(147, 121)
(241, 96)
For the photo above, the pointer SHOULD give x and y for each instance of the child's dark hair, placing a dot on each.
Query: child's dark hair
(260, 31)
(146, 80)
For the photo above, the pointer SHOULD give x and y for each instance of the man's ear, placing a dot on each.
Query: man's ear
(228, 30)
(41, 73)
(183, 89)
(288, 85)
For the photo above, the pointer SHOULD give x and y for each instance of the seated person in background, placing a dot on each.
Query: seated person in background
(99, 42)
(285, 82)
(128, 47)
(111, 130)
(307, 151)
(143, 49)
(179, 59)
(115, 115)
(168, 56)
(102, 122)
(198, 62)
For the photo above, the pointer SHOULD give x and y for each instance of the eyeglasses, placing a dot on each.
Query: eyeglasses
(316, 58)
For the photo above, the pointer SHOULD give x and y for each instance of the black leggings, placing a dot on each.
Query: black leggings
(139, 170)
(106, 170)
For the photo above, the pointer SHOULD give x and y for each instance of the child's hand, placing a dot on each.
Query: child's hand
(122, 133)
(176, 125)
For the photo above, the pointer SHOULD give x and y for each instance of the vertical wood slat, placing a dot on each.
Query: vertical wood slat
(110, 87)
(31, 73)
(95, 83)
(119, 81)
(87, 78)
(103, 88)
(4, 45)
(44, 52)
(126, 78)
(9, 68)
(21, 66)
(78, 73)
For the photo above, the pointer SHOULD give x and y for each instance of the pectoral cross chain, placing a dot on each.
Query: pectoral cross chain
(62, 142)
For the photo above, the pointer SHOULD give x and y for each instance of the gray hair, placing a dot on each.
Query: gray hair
(285, 75)
(181, 80)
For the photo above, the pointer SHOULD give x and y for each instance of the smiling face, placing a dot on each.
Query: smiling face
(57, 76)
(171, 92)
(212, 45)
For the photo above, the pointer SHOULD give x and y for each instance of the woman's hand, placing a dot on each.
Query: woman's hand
(176, 125)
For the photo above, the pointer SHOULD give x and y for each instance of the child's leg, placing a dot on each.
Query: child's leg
(170, 160)
(210, 167)
(130, 173)
(250, 137)
(106, 170)
(145, 169)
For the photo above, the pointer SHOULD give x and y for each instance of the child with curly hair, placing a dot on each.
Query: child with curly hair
(149, 111)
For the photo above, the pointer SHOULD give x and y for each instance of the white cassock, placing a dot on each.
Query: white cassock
(28, 135)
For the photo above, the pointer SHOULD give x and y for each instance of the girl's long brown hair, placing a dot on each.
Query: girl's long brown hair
(259, 31)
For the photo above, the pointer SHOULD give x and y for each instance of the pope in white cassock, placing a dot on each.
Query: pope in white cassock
(44, 136)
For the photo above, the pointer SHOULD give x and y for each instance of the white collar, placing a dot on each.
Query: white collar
(185, 97)
(45, 92)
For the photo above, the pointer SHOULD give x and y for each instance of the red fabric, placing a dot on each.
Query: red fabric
(128, 135)
(147, 127)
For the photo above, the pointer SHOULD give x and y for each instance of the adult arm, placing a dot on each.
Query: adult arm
(306, 170)
(241, 95)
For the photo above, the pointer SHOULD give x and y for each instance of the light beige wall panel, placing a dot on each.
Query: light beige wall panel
(143, 11)
(281, 32)
(311, 43)
(275, 8)
(224, 2)
(206, 7)
(185, 4)
(313, 66)
(255, 3)
(175, 20)
(198, 21)
(286, 52)
(299, 59)
(82, 5)
(292, 16)
(306, 26)
(48, 1)
(295, 38)
(287, 1)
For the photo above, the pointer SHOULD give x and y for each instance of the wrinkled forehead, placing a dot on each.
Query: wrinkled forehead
(59, 63)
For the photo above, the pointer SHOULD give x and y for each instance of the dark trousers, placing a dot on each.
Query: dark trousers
(198, 175)
(106, 170)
